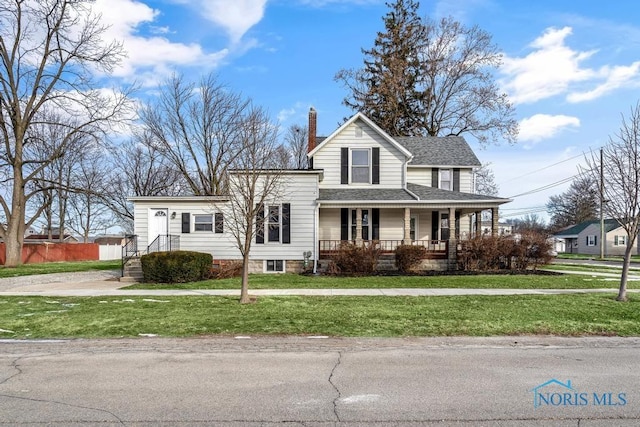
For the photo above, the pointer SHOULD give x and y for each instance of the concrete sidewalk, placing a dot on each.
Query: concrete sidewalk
(92, 284)
(94, 289)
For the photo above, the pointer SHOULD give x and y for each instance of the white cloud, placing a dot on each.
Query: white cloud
(547, 71)
(298, 111)
(616, 77)
(553, 69)
(149, 59)
(544, 126)
(235, 16)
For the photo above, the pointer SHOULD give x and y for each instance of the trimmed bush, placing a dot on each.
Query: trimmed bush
(355, 259)
(176, 266)
(408, 257)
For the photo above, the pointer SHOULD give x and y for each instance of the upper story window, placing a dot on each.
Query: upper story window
(360, 166)
(446, 179)
(273, 223)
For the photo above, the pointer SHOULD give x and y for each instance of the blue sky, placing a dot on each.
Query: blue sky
(570, 67)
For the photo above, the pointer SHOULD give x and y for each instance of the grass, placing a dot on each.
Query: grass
(106, 317)
(58, 267)
(590, 268)
(499, 281)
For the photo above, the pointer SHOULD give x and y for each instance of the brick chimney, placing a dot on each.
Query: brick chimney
(313, 118)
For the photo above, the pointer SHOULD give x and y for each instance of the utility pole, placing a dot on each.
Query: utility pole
(602, 235)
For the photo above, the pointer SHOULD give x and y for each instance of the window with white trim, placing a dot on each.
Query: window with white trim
(620, 241)
(446, 179)
(591, 240)
(274, 266)
(203, 223)
(273, 223)
(360, 166)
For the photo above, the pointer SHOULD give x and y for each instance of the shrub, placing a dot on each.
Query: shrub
(408, 257)
(176, 266)
(488, 253)
(228, 270)
(355, 259)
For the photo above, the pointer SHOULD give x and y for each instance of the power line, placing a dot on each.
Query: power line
(545, 187)
(543, 168)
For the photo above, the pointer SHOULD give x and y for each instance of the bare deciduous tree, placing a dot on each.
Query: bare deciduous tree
(295, 143)
(138, 169)
(49, 50)
(578, 204)
(197, 128)
(621, 170)
(255, 182)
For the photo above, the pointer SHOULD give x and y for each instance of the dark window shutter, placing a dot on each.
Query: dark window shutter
(286, 223)
(456, 179)
(219, 223)
(435, 224)
(311, 163)
(375, 222)
(435, 178)
(344, 224)
(186, 222)
(260, 224)
(587, 241)
(344, 165)
(375, 163)
(595, 240)
(615, 240)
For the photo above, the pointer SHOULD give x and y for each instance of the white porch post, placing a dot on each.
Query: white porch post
(358, 226)
(453, 243)
(494, 222)
(406, 235)
(478, 223)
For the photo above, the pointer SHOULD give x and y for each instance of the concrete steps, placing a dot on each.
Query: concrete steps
(132, 271)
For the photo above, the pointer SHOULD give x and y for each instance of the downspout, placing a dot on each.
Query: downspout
(316, 225)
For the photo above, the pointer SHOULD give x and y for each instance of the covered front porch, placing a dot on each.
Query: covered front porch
(436, 228)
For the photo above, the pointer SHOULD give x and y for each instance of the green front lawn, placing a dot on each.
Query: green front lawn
(106, 317)
(58, 267)
(499, 281)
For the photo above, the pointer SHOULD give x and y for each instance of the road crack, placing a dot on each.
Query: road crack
(15, 366)
(335, 387)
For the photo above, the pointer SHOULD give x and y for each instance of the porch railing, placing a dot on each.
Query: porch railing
(436, 247)
(164, 243)
(129, 249)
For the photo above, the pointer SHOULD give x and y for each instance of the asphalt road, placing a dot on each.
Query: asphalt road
(304, 381)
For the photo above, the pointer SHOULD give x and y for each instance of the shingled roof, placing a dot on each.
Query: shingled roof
(439, 151)
(385, 194)
(574, 230)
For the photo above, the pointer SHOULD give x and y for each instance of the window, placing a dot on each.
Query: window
(446, 180)
(365, 224)
(274, 266)
(620, 241)
(591, 240)
(360, 167)
(273, 223)
(219, 223)
(203, 222)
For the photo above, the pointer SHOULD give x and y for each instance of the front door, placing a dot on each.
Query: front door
(158, 223)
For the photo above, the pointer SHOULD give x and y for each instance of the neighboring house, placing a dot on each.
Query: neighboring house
(110, 240)
(584, 238)
(363, 186)
(55, 238)
(504, 229)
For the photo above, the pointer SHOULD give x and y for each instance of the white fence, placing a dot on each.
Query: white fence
(108, 252)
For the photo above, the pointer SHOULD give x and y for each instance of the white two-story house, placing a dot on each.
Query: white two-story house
(363, 186)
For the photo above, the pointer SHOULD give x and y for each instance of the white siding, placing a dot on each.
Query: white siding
(300, 192)
(420, 176)
(391, 160)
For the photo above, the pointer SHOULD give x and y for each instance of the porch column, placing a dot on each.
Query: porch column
(478, 223)
(358, 226)
(453, 243)
(406, 235)
(494, 222)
